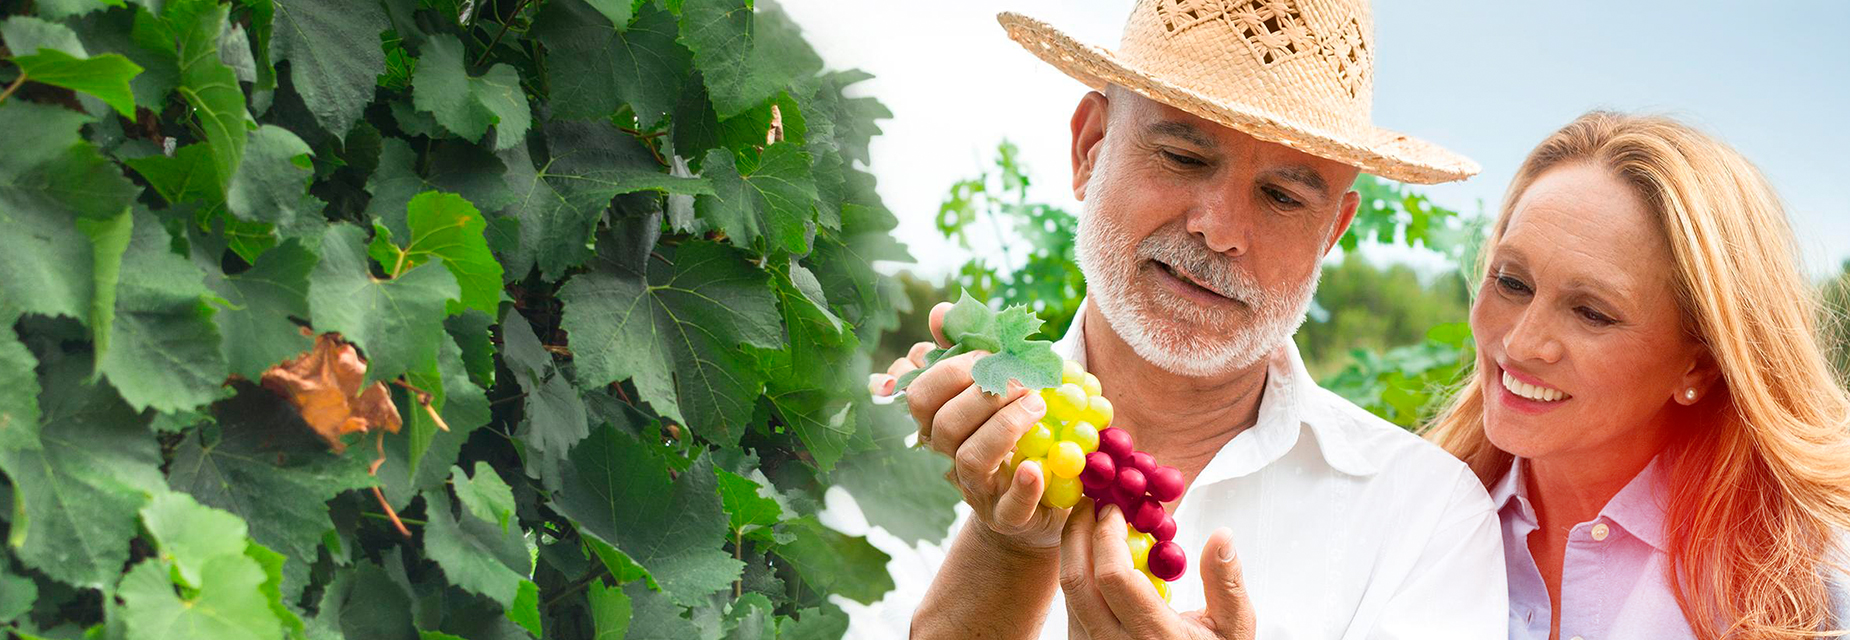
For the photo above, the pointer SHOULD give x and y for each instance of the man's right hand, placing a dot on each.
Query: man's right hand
(978, 431)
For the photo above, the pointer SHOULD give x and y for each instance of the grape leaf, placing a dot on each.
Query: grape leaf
(272, 588)
(271, 182)
(900, 488)
(675, 332)
(835, 563)
(365, 602)
(49, 180)
(19, 385)
(468, 105)
(597, 67)
(463, 406)
(398, 322)
(26, 34)
(189, 534)
(262, 464)
(972, 326)
(752, 508)
(555, 411)
(209, 85)
(655, 616)
(485, 495)
(228, 604)
(256, 328)
(163, 346)
(333, 51)
(78, 475)
(610, 611)
(446, 227)
(474, 553)
(744, 58)
(105, 76)
(61, 9)
(17, 593)
(615, 489)
(770, 196)
(459, 168)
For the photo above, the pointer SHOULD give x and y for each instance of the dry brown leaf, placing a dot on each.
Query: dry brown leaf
(324, 385)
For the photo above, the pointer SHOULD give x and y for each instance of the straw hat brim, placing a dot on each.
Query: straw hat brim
(1389, 154)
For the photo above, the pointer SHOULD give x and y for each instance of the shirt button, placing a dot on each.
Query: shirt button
(1600, 531)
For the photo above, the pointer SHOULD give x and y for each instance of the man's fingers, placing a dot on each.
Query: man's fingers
(937, 323)
(968, 411)
(1139, 609)
(916, 355)
(988, 446)
(1229, 609)
(1083, 601)
(928, 392)
(1015, 509)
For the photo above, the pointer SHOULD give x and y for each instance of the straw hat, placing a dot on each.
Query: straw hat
(1296, 72)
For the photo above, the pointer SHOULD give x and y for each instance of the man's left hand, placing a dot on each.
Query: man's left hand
(1107, 598)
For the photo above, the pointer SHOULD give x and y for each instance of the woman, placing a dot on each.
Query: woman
(1652, 411)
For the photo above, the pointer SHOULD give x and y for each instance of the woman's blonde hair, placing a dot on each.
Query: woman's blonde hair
(1756, 496)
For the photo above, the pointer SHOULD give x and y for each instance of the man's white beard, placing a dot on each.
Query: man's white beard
(1163, 328)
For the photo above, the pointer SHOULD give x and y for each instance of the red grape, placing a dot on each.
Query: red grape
(1165, 531)
(1167, 560)
(1148, 516)
(1165, 483)
(1131, 483)
(1115, 442)
(1143, 462)
(1100, 471)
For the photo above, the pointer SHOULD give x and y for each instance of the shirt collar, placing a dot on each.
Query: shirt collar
(1287, 406)
(1638, 508)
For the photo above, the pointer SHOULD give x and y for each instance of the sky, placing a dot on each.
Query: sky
(1486, 79)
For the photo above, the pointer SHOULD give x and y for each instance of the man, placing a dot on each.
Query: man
(1214, 160)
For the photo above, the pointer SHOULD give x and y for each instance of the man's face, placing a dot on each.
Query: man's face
(1200, 244)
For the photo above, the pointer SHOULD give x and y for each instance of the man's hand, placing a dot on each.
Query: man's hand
(978, 430)
(1108, 599)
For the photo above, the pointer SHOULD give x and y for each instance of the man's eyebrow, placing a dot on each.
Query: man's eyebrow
(1176, 129)
(1303, 175)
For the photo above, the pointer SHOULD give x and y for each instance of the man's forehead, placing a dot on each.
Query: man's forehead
(1152, 118)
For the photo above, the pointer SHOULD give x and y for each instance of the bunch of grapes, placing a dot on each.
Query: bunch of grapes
(1081, 455)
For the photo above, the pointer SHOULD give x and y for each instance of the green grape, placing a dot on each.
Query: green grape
(1091, 385)
(1036, 441)
(1140, 544)
(1066, 460)
(1098, 412)
(1083, 434)
(1062, 493)
(1065, 402)
(1162, 587)
(1070, 371)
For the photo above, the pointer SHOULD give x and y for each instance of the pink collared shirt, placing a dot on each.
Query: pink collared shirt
(1613, 580)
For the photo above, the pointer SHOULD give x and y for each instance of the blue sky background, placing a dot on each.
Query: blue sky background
(1488, 79)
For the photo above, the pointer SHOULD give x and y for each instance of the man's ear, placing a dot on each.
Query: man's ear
(1352, 201)
(1088, 124)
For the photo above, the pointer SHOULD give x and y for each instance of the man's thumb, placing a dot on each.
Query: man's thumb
(1225, 587)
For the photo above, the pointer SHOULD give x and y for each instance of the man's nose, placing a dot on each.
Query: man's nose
(1223, 221)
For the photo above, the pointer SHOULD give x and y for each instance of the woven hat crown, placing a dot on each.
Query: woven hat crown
(1294, 72)
(1312, 60)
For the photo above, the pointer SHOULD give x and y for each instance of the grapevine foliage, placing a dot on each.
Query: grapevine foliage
(610, 261)
(971, 326)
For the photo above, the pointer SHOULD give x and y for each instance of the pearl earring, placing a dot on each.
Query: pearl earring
(1689, 394)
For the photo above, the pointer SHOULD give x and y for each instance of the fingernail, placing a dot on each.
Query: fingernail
(1226, 552)
(1034, 404)
(886, 388)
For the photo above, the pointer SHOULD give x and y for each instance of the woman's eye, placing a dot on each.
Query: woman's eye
(1512, 285)
(1181, 159)
(1595, 317)
(1280, 197)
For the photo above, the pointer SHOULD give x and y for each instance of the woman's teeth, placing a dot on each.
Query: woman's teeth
(1530, 391)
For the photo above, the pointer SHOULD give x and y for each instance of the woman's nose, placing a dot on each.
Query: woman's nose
(1532, 337)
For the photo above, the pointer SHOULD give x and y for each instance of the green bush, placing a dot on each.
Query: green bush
(611, 258)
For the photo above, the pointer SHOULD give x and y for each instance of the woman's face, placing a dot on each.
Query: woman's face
(1580, 344)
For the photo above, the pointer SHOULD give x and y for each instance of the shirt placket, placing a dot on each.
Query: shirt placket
(1584, 597)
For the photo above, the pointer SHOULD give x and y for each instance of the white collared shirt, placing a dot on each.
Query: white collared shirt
(1360, 530)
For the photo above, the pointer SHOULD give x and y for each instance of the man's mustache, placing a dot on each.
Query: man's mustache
(1214, 271)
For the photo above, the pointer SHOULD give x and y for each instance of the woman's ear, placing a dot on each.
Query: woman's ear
(1703, 379)
(1088, 135)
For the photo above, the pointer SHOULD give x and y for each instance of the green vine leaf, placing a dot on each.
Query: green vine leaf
(468, 105)
(397, 322)
(767, 195)
(599, 67)
(105, 76)
(444, 226)
(333, 51)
